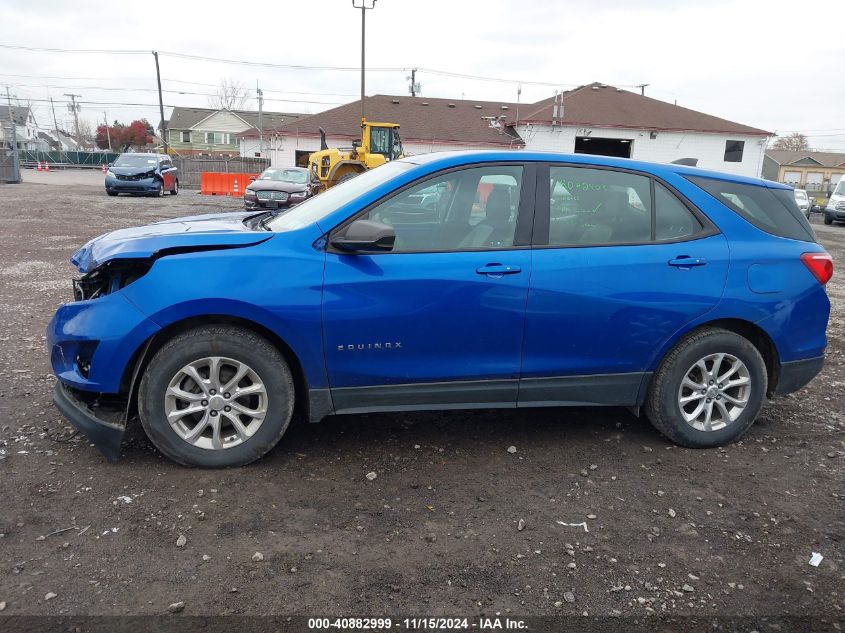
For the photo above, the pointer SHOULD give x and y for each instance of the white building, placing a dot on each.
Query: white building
(26, 128)
(601, 119)
(592, 119)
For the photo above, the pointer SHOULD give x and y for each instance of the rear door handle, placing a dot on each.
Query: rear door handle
(684, 261)
(497, 270)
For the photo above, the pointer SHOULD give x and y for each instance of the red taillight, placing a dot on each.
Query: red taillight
(820, 264)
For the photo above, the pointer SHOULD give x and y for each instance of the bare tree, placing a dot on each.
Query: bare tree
(86, 133)
(795, 141)
(229, 95)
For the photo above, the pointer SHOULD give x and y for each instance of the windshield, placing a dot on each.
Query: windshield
(318, 207)
(136, 160)
(840, 188)
(800, 195)
(296, 176)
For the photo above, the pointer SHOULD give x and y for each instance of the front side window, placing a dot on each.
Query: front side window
(467, 209)
(733, 151)
(598, 206)
(380, 141)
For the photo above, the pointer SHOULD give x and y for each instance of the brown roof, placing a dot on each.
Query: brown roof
(421, 119)
(606, 106)
(789, 157)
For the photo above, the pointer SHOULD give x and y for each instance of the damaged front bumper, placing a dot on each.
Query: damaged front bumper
(104, 429)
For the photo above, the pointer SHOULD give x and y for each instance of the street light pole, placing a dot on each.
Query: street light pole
(364, 6)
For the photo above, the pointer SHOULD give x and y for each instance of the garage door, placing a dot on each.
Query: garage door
(814, 181)
(792, 177)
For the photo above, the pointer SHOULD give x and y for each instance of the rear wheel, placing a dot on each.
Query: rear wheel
(828, 219)
(215, 397)
(708, 390)
(347, 176)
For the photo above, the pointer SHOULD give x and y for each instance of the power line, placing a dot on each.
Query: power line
(181, 92)
(40, 49)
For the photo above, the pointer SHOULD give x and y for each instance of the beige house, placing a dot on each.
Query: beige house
(817, 172)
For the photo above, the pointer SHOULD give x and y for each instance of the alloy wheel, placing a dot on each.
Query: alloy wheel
(216, 403)
(714, 392)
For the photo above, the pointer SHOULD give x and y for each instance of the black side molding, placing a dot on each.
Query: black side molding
(106, 436)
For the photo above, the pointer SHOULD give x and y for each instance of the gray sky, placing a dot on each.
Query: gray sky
(775, 65)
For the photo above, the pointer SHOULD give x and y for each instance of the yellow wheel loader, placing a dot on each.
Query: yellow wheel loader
(379, 143)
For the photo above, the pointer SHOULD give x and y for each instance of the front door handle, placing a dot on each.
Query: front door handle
(685, 261)
(497, 270)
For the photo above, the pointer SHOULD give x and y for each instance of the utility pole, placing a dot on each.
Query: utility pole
(413, 82)
(260, 94)
(163, 126)
(16, 165)
(364, 8)
(74, 107)
(55, 124)
(642, 88)
(108, 134)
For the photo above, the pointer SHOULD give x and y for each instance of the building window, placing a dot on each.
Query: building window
(186, 136)
(733, 151)
(217, 138)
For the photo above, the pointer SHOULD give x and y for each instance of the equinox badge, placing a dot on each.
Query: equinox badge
(365, 346)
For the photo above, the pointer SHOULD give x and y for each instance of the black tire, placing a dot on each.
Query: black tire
(232, 342)
(827, 219)
(111, 193)
(347, 176)
(160, 192)
(175, 189)
(662, 406)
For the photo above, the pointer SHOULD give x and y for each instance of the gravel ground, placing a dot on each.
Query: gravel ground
(454, 522)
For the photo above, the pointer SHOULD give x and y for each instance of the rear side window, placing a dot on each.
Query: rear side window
(673, 220)
(772, 210)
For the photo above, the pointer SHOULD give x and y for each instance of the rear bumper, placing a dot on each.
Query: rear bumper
(796, 374)
(105, 435)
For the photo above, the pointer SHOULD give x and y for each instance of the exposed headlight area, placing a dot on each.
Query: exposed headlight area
(110, 173)
(108, 278)
(298, 195)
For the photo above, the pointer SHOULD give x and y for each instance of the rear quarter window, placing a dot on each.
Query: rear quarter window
(771, 210)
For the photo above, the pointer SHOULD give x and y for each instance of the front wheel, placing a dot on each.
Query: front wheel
(708, 390)
(175, 189)
(828, 219)
(216, 397)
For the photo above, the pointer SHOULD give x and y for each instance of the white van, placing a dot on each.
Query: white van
(835, 210)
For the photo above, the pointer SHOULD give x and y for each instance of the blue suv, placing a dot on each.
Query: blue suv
(449, 281)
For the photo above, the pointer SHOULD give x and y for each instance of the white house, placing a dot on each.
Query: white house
(26, 128)
(601, 119)
(592, 119)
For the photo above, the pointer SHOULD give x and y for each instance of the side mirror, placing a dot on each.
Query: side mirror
(252, 178)
(365, 235)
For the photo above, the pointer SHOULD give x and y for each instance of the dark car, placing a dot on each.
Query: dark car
(148, 174)
(281, 188)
